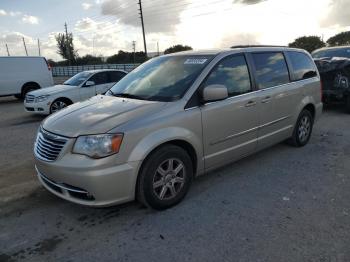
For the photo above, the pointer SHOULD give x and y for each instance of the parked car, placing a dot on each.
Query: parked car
(78, 88)
(334, 66)
(20, 75)
(176, 117)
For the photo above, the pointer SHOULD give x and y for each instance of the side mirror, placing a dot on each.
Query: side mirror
(213, 93)
(89, 83)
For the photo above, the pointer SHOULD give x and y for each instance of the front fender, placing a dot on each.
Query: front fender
(164, 135)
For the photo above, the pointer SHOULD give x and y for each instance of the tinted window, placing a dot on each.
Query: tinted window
(329, 53)
(115, 76)
(303, 67)
(233, 73)
(100, 78)
(271, 69)
(78, 79)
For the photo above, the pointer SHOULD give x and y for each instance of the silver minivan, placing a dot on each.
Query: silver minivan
(176, 117)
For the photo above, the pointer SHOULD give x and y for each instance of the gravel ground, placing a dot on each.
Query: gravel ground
(282, 204)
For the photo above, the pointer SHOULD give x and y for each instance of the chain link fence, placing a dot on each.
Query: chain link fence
(60, 71)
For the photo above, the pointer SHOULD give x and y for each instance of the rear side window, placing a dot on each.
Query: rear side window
(233, 73)
(303, 67)
(271, 69)
(115, 76)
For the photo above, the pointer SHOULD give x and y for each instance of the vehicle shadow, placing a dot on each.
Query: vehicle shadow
(9, 100)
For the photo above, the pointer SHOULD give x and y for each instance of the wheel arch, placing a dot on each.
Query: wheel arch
(30, 84)
(185, 145)
(311, 108)
(178, 136)
(63, 98)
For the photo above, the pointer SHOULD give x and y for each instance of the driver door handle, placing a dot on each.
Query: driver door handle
(267, 99)
(250, 103)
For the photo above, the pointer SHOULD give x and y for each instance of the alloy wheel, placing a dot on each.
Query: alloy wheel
(169, 179)
(304, 128)
(58, 105)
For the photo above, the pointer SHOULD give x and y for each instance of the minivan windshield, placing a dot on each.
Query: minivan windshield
(336, 52)
(165, 78)
(78, 79)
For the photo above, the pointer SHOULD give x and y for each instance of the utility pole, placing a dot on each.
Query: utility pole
(133, 48)
(39, 47)
(25, 47)
(157, 48)
(67, 44)
(7, 48)
(93, 45)
(143, 27)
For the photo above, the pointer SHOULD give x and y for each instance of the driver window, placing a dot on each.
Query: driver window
(233, 73)
(100, 78)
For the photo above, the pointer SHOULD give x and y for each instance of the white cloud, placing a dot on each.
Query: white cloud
(3, 12)
(29, 19)
(339, 13)
(159, 15)
(12, 13)
(86, 6)
(85, 24)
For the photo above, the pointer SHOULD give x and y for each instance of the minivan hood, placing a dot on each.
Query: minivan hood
(52, 90)
(98, 115)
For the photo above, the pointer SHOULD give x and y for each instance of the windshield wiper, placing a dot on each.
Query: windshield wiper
(126, 95)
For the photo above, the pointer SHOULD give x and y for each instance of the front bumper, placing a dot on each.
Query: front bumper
(90, 186)
(42, 108)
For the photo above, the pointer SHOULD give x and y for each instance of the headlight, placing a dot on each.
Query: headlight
(98, 146)
(41, 98)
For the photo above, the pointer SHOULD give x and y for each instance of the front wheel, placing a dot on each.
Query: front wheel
(165, 177)
(302, 130)
(57, 105)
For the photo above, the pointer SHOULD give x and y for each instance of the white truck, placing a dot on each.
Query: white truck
(20, 75)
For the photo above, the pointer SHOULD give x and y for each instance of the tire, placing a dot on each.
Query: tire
(302, 130)
(58, 105)
(347, 104)
(161, 186)
(26, 90)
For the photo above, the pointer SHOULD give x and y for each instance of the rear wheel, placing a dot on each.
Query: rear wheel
(302, 130)
(165, 178)
(58, 104)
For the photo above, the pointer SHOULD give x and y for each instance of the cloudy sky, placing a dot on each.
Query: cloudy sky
(103, 27)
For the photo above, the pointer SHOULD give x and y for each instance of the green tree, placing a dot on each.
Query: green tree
(65, 47)
(340, 39)
(177, 48)
(89, 60)
(126, 57)
(309, 43)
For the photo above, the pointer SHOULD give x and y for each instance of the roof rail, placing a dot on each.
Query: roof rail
(245, 46)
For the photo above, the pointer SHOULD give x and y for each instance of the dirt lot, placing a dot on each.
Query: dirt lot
(282, 204)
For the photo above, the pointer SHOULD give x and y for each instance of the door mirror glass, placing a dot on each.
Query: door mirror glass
(89, 83)
(213, 93)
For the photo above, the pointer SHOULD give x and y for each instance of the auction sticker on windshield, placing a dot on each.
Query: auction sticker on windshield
(195, 61)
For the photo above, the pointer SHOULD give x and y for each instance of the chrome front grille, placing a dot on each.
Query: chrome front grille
(48, 146)
(30, 99)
